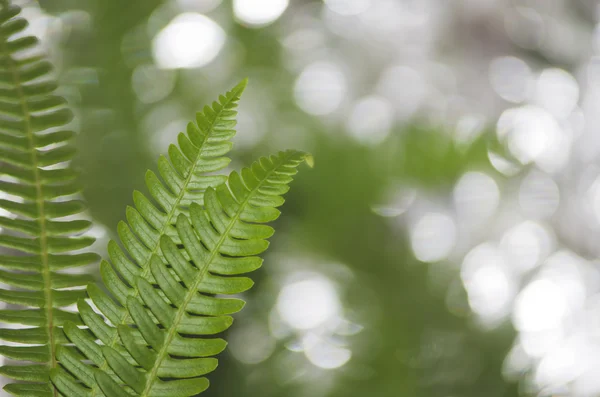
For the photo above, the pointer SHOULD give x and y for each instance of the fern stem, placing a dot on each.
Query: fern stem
(193, 289)
(40, 203)
(126, 319)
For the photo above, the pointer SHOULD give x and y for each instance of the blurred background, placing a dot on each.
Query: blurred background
(446, 242)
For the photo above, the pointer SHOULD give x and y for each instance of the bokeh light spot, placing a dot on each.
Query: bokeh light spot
(397, 200)
(259, 12)
(190, 40)
(557, 91)
(541, 306)
(252, 343)
(489, 286)
(320, 88)
(151, 84)
(511, 78)
(324, 353)
(371, 120)
(433, 237)
(525, 245)
(534, 135)
(308, 303)
(476, 196)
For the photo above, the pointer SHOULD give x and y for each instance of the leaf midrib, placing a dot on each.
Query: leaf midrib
(193, 289)
(40, 202)
(180, 196)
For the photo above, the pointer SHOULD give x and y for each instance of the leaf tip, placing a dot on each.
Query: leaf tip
(310, 160)
(241, 86)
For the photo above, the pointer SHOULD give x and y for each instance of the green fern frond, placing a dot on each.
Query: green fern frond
(166, 351)
(36, 189)
(187, 174)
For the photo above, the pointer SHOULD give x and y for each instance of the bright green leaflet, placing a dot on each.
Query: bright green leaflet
(37, 188)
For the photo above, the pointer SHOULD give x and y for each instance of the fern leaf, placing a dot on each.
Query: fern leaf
(166, 351)
(184, 178)
(36, 188)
